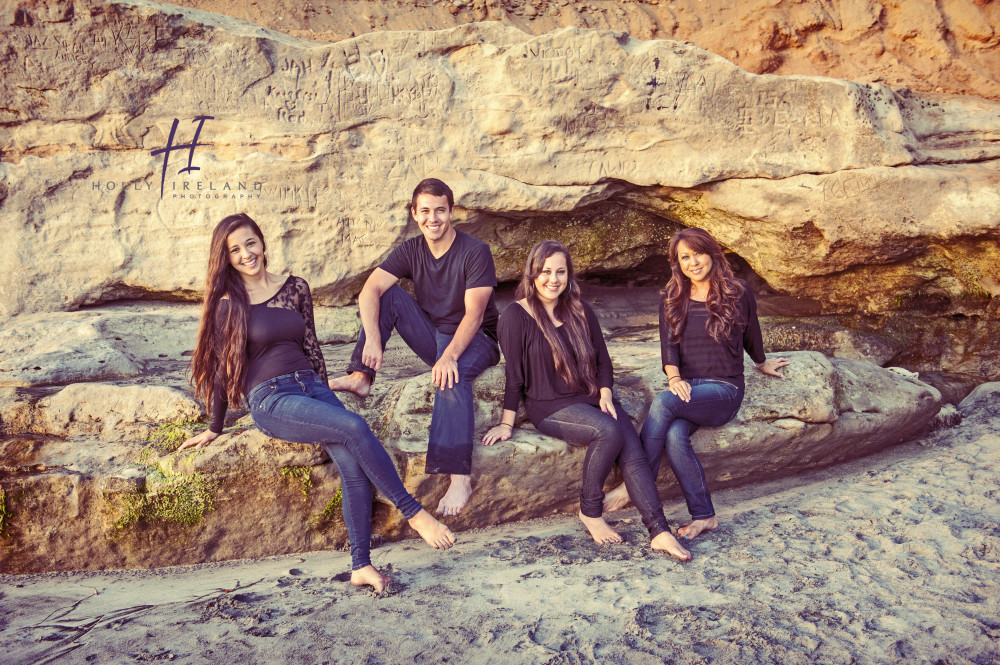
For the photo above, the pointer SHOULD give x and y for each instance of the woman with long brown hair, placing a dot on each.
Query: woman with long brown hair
(258, 340)
(707, 318)
(558, 363)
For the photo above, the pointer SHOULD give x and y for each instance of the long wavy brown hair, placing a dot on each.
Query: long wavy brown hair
(724, 291)
(222, 338)
(576, 364)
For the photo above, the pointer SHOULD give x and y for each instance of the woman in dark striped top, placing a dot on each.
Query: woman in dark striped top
(707, 318)
(558, 363)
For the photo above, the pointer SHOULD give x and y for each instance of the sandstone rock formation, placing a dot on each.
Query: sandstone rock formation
(104, 498)
(860, 196)
(137, 341)
(945, 47)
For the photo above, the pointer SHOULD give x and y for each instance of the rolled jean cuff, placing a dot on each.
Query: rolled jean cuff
(657, 528)
(358, 367)
(706, 517)
(453, 467)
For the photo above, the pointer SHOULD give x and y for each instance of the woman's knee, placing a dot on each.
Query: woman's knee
(665, 405)
(349, 427)
(679, 436)
(608, 433)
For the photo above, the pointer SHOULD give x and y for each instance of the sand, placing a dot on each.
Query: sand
(894, 558)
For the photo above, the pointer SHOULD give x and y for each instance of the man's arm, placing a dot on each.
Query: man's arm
(444, 374)
(377, 283)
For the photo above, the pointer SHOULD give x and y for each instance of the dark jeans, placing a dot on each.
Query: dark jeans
(299, 407)
(670, 424)
(607, 439)
(450, 440)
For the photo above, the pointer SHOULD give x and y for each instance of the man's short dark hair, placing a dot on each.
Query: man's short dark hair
(434, 187)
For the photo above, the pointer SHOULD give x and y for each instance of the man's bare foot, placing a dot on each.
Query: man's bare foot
(698, 526)
(599, 529)
(457, 495)
(434, 533)
(616, 499)
(665, 542)
(369, 576)
(358, 383)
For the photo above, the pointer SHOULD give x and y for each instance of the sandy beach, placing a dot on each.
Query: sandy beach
(893, 558)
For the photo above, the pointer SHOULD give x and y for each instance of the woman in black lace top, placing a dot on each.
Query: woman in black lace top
(258, 340)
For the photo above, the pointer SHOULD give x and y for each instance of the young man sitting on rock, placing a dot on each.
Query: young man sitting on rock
(451, 326)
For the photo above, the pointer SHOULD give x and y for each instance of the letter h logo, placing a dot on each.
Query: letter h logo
(171, 147)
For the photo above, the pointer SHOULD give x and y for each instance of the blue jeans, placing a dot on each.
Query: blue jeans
(670, 424)
(299, 407)
(450, 440)
(607, 439)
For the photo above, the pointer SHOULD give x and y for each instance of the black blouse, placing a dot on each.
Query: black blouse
(531, 368)
(698, 356)
(281, 338)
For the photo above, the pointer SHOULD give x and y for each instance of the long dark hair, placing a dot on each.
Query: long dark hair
(222, 339)
(577, 364)
(724, 290)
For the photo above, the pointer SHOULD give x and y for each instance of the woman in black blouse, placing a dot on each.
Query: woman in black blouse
(707, 318)
(258, 340)
(557, 361)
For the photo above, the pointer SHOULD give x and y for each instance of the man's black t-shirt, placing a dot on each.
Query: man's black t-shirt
(440, 284)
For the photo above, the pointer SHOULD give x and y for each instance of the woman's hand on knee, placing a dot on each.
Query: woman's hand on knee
(199, 440)
(608, 404)
(682, 389)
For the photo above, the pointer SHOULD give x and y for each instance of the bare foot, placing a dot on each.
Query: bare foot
(356, 382)
(694, 528)
(369, 576)
(665, 542)
(599, 529)
(616, 499)
(434, 533)
(457, 495)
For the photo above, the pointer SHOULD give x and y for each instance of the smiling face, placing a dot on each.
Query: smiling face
(246, 252)
(696, 266)
(552, 280)
(433, 215)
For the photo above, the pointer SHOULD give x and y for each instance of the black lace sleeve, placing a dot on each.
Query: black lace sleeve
(311, 342)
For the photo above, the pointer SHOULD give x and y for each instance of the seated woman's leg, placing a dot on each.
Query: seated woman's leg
(586, 425)
(356, 503)
(641, 487)
(713, 403)
(305, 410)
(662, 412)
(688, 470)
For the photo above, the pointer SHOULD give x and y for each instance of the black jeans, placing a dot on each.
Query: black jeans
(608, 439)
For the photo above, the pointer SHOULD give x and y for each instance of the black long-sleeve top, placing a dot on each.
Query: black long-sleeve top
(698, 356)
(281, 338)
(531, 368)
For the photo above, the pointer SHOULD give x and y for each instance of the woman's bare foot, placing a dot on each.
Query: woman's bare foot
(457, 495)
(665, 542)
(434, 533)
(369, 576)
(599, 529)
(616, 499)
(358, 383)
(698, 526)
